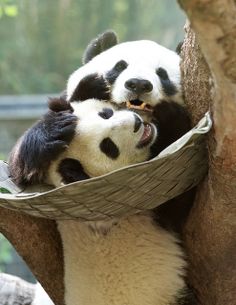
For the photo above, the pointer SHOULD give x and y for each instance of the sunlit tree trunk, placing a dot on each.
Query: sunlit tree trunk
(209, 80)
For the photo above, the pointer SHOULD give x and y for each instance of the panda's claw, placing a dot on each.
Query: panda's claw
(67, 133)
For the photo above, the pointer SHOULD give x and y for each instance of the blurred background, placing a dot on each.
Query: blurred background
(42, 42)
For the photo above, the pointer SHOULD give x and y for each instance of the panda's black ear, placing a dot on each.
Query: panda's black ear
(101, 43)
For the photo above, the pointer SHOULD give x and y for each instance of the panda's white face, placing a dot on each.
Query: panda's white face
(106, 139)
(138, 71)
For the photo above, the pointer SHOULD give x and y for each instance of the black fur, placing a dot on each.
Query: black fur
(59, 104)
(173, 214)
(137, 123)
(168, 87)
(187, 297)
(179, 47)
(112, 75)
(40, 145)
(109, 148)
(71, 170)
(172, 121)
(101, 43)
(91, 86)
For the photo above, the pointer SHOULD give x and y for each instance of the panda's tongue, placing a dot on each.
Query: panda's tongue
(146, 136)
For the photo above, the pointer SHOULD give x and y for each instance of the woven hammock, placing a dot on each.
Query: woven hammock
(128, 190)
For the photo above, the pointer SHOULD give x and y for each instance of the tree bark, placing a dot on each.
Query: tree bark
(38, 242)
(211, 227)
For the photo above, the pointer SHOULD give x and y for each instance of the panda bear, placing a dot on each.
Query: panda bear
(50, 137)
(131, 260)
(105, 140)
(137, 74)
(140, 75)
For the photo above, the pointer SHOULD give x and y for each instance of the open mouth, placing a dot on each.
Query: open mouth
(139, 105)
(147, 136)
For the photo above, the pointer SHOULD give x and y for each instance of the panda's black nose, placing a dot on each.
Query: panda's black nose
(138, 86)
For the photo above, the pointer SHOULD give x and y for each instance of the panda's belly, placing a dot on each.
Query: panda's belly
(135, 263)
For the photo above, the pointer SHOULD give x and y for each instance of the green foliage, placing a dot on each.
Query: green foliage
(45, 40)
(5, 252)
(8, 8)
(2, 156)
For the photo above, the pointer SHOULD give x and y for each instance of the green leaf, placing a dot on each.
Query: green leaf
(4, 191)
(11, 10)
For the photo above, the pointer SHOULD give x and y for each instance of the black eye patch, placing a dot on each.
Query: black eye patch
(106, 113)
(109, 148)
(168, 87)
(119, 67)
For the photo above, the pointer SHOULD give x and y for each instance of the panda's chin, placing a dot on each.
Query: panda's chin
(148, 136)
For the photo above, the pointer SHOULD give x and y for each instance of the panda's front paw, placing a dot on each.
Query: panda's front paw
(92, 86)
(60, 129)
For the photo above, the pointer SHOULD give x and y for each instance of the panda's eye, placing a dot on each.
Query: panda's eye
(162, 73)
(121, 65)
(106, 113)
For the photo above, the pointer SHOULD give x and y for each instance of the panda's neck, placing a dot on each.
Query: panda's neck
(134, 262)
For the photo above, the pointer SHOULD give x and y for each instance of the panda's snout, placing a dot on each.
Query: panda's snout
(138, 86)
(137, 122)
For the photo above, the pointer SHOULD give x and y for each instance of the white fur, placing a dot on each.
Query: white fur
(143, 58)
(135, 263)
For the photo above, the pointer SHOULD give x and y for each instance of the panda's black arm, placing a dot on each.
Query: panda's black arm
(172, 121)
(41, 144)
(91, 86)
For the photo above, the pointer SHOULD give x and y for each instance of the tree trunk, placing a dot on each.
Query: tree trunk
(38, 242)
(211, 228)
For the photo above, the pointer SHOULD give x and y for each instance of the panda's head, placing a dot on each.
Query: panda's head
(133, 72)
(106, 139)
